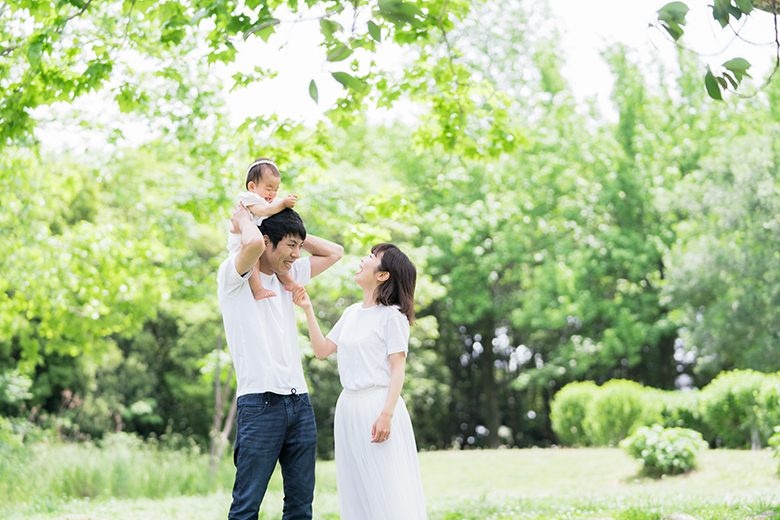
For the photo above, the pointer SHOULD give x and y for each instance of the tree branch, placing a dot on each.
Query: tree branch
(83, 9)
(8, 50)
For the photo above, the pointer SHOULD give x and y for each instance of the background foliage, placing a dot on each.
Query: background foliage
(555, 244)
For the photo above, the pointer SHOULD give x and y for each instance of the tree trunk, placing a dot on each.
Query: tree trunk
(489, 391)
(220, 430)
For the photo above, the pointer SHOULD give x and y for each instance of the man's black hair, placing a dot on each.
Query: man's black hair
(286, 222)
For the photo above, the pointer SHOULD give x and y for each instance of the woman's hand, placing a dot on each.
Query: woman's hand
(381, 429)
(301, 298)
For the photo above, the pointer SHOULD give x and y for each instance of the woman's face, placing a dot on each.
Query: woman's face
(368, 269)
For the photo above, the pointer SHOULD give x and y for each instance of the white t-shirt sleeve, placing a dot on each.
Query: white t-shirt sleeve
(250, 199)
(335, 333)
(229, 281)
(397, 334)
(301, 270)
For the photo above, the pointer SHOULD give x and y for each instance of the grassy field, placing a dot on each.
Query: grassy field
(506, 484)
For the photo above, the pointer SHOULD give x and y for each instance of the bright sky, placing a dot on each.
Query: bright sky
(586, 29)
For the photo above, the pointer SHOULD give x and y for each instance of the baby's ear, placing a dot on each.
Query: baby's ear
(251, 186)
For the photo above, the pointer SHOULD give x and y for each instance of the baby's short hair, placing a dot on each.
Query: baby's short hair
(260, 167)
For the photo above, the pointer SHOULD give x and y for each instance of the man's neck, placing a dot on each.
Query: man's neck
(265, 268)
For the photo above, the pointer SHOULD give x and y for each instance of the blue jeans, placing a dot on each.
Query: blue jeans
(274, 427)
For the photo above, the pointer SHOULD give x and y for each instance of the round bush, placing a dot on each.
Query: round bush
(731, 409)
(567, 411)
(662, 451)
(614, 412)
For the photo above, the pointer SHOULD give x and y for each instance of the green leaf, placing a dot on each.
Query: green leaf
(374, 31)
(734, 82)
(264, 29)
(746, 6)
(672, 18)
(739, 67)
(721, 15)
(400, 12)
(313, 92)
(350, 82)
(711, 83)
(34, 54)
(328, 27)
(340, 53)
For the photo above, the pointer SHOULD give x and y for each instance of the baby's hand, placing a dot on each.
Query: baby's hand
(290, 200)
(300, 298)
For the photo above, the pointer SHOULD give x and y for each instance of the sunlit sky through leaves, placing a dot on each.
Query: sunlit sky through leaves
(586, 30)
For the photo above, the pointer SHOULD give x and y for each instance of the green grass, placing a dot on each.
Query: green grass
(506, 484)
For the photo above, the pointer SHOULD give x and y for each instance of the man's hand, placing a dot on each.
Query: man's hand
(290, 200)
(240, 216)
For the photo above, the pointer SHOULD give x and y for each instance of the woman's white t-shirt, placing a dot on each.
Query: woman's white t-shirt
(365, 339)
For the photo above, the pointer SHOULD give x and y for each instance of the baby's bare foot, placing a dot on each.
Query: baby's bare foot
(264, 293)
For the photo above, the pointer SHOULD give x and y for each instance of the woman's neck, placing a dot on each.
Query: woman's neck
(368, 300)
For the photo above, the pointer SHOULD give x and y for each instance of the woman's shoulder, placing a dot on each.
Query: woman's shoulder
(391, 311)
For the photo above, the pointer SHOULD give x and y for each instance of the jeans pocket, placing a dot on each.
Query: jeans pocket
(251, 411)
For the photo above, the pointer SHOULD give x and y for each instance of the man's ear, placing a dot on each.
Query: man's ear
(266, 241)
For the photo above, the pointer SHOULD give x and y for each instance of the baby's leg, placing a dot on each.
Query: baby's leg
(256, 284)
(289, 283)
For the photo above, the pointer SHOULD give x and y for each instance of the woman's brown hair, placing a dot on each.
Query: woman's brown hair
(398, 289)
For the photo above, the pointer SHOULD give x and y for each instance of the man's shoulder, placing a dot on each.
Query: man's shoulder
(301, 270)
(227, 276)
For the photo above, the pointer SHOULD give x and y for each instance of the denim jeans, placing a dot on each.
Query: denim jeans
(274, 427)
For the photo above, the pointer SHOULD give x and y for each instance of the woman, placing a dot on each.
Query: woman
(377, 472)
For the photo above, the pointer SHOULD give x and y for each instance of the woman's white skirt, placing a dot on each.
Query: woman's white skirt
(376, 481)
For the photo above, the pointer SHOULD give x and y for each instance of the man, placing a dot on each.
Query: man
(275, 417)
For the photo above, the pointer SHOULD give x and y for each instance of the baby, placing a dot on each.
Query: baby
(262, 181)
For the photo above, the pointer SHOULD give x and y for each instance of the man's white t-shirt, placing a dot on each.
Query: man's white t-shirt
(365, 339)
(262, 335)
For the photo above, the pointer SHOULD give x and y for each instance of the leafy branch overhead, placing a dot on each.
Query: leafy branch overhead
(672, 18)
(76, 48)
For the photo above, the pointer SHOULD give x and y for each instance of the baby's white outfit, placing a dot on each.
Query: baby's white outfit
(249, 199)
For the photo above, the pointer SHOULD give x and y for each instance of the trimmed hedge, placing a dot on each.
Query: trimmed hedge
(567, 412)
(738, 409)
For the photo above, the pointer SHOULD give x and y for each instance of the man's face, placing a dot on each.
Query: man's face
(280, 258)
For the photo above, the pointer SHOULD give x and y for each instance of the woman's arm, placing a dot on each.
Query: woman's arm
(323, 347)
(381, 430)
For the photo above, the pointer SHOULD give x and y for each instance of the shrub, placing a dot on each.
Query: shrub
(614, 412)
(676, 409)
(567, 412)
(731, 409)
(774, 442)
(662, 451)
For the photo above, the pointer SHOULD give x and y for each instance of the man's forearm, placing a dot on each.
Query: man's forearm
(317, 246)
(324, 253)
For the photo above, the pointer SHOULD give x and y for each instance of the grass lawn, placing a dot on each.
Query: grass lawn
(539, 484)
